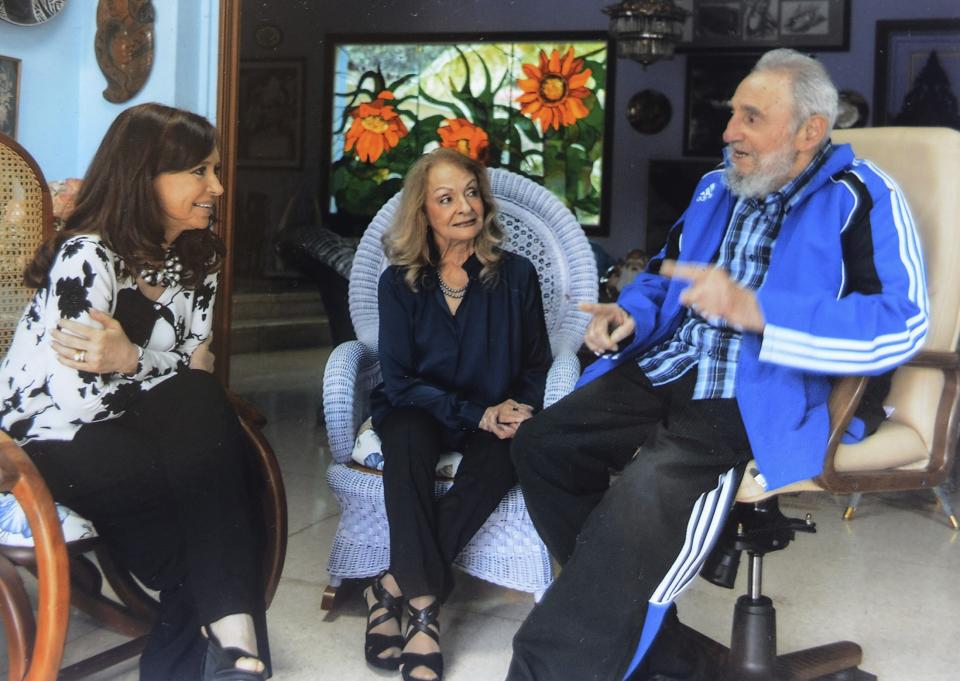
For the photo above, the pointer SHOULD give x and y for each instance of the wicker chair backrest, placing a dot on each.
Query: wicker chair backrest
(538, 226)
(26, 219)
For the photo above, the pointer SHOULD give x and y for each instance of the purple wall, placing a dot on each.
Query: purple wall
(304, 26)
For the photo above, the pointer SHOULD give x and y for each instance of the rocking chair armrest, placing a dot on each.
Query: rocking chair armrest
(19, 476)
(275, 510)
(561, 378)
(352, 371)
(246, 411)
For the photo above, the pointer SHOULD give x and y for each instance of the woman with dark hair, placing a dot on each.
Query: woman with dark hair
(108, 387)
(464, 353)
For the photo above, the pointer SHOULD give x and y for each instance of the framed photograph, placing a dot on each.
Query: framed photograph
(270, 113)
(738, 25)
(710, 83)
(9, 95)
(917, 73)
(539, 105)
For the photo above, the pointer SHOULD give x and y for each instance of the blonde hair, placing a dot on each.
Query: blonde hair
(407, 243)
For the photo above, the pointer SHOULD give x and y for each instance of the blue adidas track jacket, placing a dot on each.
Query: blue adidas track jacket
(845, 294)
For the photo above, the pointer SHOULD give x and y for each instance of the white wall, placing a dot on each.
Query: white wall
(62, 112)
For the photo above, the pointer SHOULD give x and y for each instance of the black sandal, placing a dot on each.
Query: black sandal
(220, 664)
(375, 644)
(427, 621)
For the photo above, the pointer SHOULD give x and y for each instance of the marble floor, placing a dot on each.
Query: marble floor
(890, 579)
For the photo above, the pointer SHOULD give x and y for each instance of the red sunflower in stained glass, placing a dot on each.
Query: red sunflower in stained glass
(554, 91)
(467, 138)
(376, 128)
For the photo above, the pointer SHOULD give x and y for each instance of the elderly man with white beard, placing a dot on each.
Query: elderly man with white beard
(793, 264)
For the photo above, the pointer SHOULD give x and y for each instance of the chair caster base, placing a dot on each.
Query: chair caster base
(832, 662)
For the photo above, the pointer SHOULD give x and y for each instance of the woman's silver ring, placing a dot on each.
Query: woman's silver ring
(80, 356)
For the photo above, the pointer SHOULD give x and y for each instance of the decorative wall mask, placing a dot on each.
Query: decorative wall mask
(124, 46)
(29, 12)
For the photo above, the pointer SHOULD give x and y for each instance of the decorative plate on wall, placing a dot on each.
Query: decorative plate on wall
(268, 35)
(649, 111)
(29, 12)
(852, 111)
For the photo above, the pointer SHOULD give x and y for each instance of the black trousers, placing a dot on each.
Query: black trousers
(426, 534)
(618, 542)
(172, 487)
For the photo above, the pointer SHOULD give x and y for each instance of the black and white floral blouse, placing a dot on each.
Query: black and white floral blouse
(40, 398)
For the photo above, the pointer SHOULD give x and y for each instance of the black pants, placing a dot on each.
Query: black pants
(616, 543)
(426, 534)
(172, 487)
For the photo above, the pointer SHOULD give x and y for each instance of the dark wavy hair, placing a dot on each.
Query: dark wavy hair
(118, 202)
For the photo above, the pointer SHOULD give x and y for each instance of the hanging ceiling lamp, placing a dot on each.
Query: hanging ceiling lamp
(646, 30)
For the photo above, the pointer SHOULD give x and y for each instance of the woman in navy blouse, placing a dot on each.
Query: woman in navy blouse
(108, 387)
(464, 354)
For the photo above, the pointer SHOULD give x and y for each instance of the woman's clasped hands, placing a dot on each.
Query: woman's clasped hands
(503, 419)
(107, 349)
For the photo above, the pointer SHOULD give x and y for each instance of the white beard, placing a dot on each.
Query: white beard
(772, 172)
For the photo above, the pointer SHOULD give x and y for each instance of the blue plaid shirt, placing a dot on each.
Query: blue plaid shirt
(713, 347)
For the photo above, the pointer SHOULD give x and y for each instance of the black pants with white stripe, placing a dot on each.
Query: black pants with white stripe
(618, 543)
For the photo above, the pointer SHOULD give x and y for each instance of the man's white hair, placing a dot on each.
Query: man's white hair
(813, 90)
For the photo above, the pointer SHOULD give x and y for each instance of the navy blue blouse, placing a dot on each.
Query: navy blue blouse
(455, 366)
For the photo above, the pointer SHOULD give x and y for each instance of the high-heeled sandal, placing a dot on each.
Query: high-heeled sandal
(375, 644)
(426, 621)
(220, 664)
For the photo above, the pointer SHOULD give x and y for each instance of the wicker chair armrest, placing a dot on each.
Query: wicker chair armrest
(561, 378)
(351, 373)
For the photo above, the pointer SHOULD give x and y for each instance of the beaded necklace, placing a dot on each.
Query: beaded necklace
(449, 291)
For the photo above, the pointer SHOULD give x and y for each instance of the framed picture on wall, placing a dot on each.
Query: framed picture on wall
(917, 73)
(9, 95)
(711, 82)
(536, 104)
(270, 113)
(764, 24)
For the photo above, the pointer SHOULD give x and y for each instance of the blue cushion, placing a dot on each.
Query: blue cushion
(14, 530)
(368, 452)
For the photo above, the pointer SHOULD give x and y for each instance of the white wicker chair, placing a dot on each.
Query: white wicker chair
(506, 550)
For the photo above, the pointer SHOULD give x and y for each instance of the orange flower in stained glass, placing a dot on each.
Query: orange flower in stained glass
(553, 92)
(467, 138)
(376, 128)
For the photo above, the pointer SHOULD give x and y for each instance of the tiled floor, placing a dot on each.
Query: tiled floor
(889, 580)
